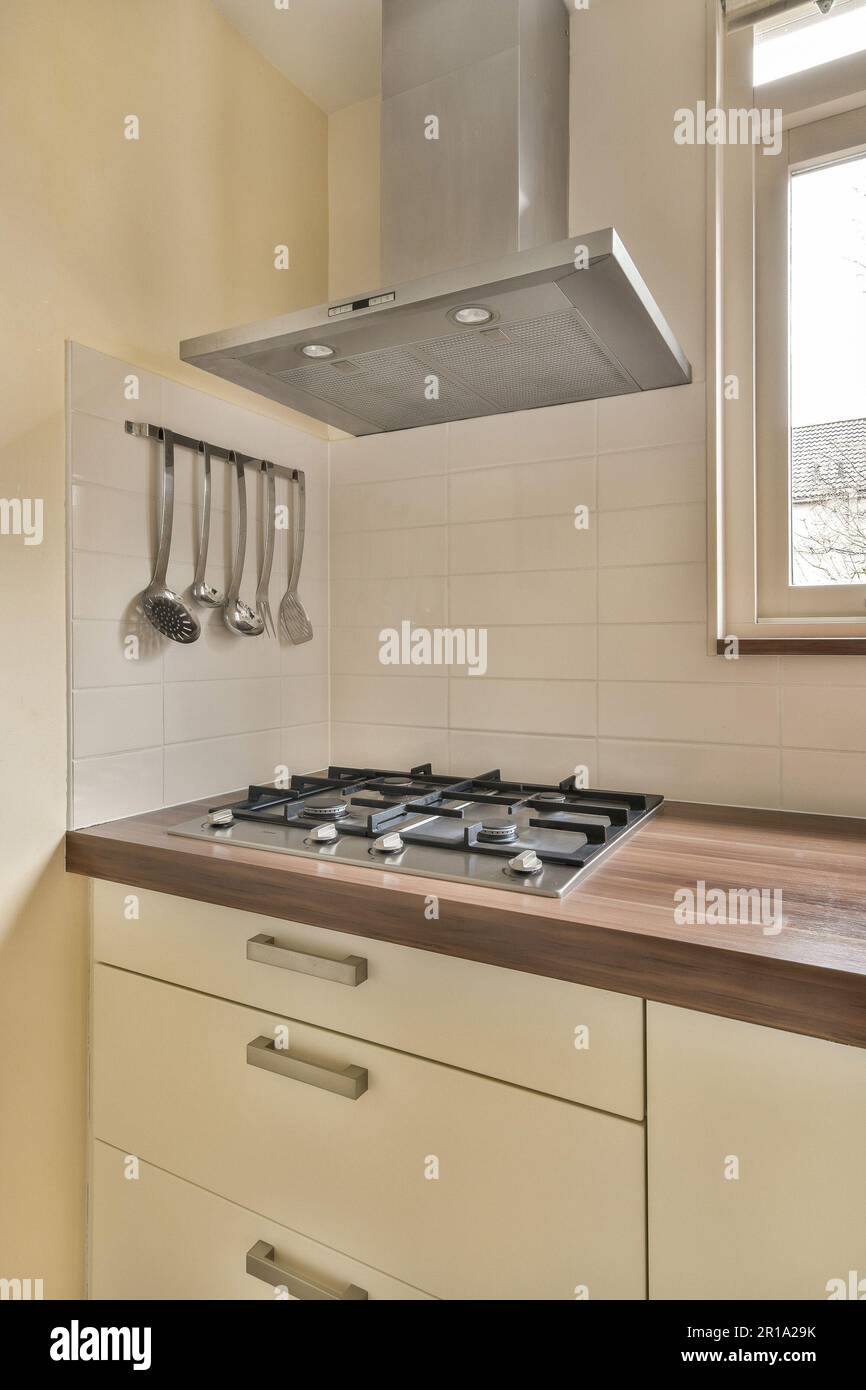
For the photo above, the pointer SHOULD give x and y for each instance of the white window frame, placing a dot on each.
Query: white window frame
(750, 594)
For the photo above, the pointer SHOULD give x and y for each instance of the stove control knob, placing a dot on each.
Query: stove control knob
(526, 863)
(321, 834)
(221, 819)
(389, 844)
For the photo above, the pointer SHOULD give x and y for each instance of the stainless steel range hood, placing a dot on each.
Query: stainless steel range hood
(553, 323)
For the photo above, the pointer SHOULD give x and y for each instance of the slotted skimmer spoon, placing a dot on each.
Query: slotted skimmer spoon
(237, 615)
(163, 608)
(269, 503)
(293, 616)
(202, 592)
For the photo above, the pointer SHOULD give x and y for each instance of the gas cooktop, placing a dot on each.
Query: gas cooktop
(528, 837)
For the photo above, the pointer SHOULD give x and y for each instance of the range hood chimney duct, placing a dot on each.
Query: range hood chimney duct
(486, 305)
(474, 131)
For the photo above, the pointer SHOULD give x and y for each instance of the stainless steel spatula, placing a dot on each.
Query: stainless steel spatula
(293, 616)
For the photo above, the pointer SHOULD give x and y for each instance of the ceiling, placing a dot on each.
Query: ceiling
(330, 49)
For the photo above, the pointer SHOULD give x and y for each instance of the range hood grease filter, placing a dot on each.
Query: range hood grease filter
(398, 359)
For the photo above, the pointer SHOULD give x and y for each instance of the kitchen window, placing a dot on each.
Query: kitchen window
(791, 336)
(802, 37)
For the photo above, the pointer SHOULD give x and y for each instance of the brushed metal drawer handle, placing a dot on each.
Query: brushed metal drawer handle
(261, 1264)
(351, 971)
(350, 1082)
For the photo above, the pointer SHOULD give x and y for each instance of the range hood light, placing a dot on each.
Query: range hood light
(471, 314)
(317, 350)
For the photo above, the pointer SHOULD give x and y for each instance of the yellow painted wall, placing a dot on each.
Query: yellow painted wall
(127, 247)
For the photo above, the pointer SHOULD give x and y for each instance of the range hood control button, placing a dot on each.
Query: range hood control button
(389, 844)
(221, 819)
(526, 863)
(321, 834)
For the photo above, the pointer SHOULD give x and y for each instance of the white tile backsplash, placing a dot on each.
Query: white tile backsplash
(652, 418)
(306, 748)
(674, 652)
(528, 489)
(823, 716)
(209, 767)
(103, 656)
(693, 713)
(109, 788)
(525, 757)
(153, 722)
(220, 655)
(527, 436)
(665, 535)
(512, 706)
(660, 593)
(104, 586)
(597, 642)
(114, 390)
(379, 457)
(512, 547)
(304, 701)
(310, 659)
(831, 783)
(542, 653)
(394, 699)
(387, 746)
(118, 719)
(390, 554)
(674, 474)
(217, 709)
(102, 454)
(500, 600)
(385, 506)
(360, 602)
(724, 774)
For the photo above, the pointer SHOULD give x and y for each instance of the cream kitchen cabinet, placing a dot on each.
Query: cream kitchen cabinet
(757, 1160)
(155, 1236)
(452, 1183)
(500, 1023)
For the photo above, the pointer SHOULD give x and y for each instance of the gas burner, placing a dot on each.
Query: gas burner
(327, 805)
(498, 831)
(537, 838)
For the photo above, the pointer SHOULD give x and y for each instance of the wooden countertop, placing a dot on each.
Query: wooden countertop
(616, 931)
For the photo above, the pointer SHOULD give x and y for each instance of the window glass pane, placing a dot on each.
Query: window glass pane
(828, 374)
(785, 46)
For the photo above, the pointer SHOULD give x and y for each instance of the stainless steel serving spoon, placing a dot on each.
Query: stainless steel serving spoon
(162, 607)
(204, 593)
(269, 504)
(237, 615)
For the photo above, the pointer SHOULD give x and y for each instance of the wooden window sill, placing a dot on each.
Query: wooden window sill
(796, 646)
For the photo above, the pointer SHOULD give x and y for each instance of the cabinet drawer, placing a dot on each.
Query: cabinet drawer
(156, 1237)
(501, 1023)
(534, 1196)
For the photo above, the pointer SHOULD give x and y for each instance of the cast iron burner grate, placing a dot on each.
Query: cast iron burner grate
(530, 836)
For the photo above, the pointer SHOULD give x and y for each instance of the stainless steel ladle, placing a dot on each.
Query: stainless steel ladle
(204, 593)
(237, 615)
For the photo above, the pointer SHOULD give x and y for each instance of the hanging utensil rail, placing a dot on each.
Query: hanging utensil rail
(231, 457)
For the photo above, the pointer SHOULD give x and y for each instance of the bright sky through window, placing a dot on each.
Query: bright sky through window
(828, 374)
(828, 293)
(782, 49)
